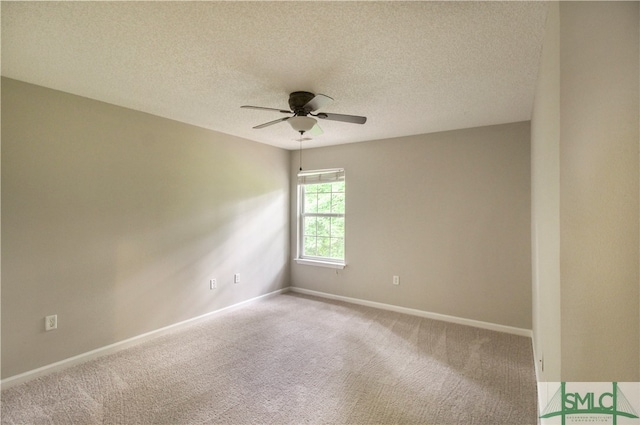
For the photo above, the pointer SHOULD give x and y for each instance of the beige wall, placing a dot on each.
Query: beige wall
(116, 220)
(545, 205)
(448, 212)
(585, 183)
(599, 190)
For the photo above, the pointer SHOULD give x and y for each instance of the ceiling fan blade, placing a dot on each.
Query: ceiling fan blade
(318, 102)
(267, 124)
(341, 117)
(315, 130)
(266, 109)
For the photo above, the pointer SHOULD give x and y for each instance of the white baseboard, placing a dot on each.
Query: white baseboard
(414, 312)
(118, 346)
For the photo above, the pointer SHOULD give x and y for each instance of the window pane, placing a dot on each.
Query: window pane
(324, 203)
(323, 246)
(337, 227)
(323, 226)
(310, 226)
(337, 203)
(338, 187)
(310, 245)
(325, 187)
(310, 202)
(311, 188)
(337, 248)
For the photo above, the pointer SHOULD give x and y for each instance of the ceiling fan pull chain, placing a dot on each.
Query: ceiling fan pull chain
(300, 156)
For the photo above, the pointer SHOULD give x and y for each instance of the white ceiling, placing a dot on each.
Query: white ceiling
(410, 67)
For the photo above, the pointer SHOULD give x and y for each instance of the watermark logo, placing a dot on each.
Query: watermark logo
(565, 403)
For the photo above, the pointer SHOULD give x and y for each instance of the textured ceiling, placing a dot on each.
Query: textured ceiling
(410, 67)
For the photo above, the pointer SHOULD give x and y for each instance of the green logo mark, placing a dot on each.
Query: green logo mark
(612, 403)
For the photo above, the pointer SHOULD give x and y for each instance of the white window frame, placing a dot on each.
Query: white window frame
(310, 177)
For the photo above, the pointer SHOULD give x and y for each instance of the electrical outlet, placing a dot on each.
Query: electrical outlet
(51, 322)
(396, 280)
(213, 284)
(236, 278)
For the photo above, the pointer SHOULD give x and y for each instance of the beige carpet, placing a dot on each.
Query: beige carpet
(293, 359)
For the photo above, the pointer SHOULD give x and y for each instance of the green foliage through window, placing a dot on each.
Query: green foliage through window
(322, 216)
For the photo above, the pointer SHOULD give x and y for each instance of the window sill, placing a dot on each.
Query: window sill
(317, 263)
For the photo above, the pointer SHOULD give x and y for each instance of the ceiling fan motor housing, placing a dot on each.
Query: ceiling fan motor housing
(297, 101)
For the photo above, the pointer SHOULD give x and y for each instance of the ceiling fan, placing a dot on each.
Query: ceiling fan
(302, 105)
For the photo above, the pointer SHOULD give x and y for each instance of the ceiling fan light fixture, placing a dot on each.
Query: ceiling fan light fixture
(302, 124)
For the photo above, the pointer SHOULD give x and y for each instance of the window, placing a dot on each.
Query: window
(321, 212)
